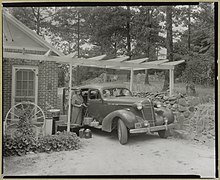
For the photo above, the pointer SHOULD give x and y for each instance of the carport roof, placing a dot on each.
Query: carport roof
(116, 63)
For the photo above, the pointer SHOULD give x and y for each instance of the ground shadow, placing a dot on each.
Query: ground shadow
(133, 138)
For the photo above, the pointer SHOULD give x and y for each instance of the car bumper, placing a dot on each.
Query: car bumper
(152, 129)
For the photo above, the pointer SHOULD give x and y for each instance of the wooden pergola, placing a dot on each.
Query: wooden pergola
(116, 63)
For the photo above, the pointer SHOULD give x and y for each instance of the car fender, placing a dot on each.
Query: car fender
(126, 116)
(162, 112)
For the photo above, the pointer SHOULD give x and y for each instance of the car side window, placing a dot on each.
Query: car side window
(106, 93)
(94, 94)
(85, 95)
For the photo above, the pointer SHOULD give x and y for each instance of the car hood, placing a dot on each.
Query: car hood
(127, 100)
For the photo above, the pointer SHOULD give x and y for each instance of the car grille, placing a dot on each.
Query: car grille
(148, 113)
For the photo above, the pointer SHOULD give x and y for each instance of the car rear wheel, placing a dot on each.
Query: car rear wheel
(163, 134)
(122, 132)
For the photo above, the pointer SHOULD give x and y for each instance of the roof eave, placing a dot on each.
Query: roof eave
(31, 33)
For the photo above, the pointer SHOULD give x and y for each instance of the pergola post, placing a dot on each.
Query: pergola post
(131, 79)
(69, 99)
(171, 81)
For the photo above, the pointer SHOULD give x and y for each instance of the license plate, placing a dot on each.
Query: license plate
(137, 125)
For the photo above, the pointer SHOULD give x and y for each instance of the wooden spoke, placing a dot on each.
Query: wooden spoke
(22, 106)
(35, 114)
(39, 117)
(13, 119)
(31, 113)
(14, 114)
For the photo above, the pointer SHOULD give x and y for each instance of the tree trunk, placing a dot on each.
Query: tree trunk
(146, 81)
(38, 21)
(128, 38)
(169, 44)
(78, 51)
(115, 45)
(128, 33)
(189, 29)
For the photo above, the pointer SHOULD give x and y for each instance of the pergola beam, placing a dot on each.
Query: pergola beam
(120, 59)
(174, 63)
(157, 62)
(138, 61)
(48, 53)
(72, 55)
(97, 58)
(84, 62)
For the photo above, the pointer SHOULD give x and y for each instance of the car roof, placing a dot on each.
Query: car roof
(102, 86)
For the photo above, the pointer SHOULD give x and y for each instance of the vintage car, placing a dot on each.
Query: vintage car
(114, 107)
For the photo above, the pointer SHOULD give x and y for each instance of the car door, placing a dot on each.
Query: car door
(95, 105)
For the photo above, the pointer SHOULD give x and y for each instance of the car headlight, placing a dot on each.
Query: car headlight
(165, 119)
(146, 123)
(139, 106)
(158, 104)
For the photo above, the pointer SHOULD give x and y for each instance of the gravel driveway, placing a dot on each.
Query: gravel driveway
(103, 155)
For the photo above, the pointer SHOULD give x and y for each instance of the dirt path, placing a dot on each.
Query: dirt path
(103, 155)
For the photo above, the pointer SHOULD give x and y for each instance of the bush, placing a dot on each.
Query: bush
(62, 141)
(200, 69)
(22, 145)
(18, 146)
(24, 140)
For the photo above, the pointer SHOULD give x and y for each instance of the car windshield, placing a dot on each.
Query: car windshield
(116, 92)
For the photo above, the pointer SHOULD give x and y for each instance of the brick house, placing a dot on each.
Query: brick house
(26, 79)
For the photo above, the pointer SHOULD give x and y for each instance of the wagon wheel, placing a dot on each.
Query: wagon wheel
(28, 110)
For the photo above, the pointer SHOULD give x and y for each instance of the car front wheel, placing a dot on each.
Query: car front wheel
(122, 132)
(163, 134)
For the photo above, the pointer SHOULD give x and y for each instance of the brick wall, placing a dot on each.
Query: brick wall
(47, 82)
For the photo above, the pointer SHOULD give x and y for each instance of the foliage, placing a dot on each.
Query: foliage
(106, 27)
(18, 146)
(67, 29)
(93, 31)
(201, 73)
(200, 67)
(62, 141)
(36, 18)
(22, 145)
(24, 141)
(145, 32)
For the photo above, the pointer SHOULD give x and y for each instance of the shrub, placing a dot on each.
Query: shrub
(24, 141)
(62, 141)
(22, 145)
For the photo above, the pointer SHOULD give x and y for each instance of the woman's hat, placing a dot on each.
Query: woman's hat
(77, 89)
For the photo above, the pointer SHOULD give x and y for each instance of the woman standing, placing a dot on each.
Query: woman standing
(77, 106)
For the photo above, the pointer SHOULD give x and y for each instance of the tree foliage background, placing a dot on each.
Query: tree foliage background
(137, 31)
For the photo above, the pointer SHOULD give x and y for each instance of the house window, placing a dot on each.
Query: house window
(24, 84)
